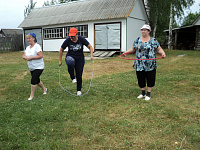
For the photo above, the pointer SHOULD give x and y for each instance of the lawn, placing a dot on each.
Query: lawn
(109, 116)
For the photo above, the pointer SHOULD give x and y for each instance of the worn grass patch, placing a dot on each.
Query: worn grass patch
(110, 116)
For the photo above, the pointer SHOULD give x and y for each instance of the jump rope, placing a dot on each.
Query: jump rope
(75, 94)
(121, 56)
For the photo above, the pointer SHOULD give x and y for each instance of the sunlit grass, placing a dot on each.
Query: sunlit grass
(110, 116)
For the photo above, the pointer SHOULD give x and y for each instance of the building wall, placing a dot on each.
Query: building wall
(133, 30)
(135, 21)
(55, 44)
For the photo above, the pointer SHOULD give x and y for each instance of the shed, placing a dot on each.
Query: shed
(10, 32)
(107, 24)
(186, 37)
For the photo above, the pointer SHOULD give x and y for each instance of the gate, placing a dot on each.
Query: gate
(107, 37)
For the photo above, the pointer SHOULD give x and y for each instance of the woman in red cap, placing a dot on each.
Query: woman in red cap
(34, 57)
(145, 48)
(75, 58)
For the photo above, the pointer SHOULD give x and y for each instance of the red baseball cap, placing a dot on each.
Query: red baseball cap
(72, 31)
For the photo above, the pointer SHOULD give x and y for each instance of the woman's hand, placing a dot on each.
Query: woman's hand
(92, 58)
(129, 51)
(60, 63)
(163, 55)
(24, 57)
(29, 58)
(124, 54)
(161, 51)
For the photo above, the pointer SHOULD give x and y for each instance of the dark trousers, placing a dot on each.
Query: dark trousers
(75, 65)
(146, 77)
(36, 76)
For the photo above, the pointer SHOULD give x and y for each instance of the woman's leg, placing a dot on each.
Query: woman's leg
(151, 78)
(41, 85)
(70, 61)
(34, 81)
(33, 89)
(79, 71)
(141, 82)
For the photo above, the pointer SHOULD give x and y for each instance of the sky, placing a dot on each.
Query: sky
(12, 11)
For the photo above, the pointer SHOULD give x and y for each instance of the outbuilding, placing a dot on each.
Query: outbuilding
(186, 37)
(109, 25)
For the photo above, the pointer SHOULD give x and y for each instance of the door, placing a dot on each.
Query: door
(107, 37)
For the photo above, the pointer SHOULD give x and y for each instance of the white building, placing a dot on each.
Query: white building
(107, 24)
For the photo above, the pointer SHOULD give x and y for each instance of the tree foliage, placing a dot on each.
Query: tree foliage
(190, 18)
(159, 14)
(54, 2)
(29, 8)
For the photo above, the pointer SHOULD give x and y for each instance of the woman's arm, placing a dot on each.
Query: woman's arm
(91, 51)
(60, 56)
(132, 49)
(24, 56)
(38, 56)
(161, 51)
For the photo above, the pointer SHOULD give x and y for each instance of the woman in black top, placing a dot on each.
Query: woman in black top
(75, 57)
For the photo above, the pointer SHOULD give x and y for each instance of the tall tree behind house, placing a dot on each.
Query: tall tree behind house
(162, 13)
(29, 8)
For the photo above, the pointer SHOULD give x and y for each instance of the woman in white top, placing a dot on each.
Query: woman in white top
(33, 55)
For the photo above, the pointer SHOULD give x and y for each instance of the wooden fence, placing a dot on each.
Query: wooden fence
(10, 44)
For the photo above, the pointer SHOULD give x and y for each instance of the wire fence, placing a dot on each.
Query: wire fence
(11, 44)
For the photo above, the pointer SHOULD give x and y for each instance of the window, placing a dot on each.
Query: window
(53, 33)
(82, 30)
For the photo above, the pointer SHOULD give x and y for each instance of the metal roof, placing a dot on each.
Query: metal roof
(79, 11)
(198, 18)
(11, 31)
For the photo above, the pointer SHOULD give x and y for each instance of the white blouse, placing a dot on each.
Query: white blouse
(35, 63)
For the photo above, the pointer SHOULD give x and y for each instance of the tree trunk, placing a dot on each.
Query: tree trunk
(170, 28)
(156, 22)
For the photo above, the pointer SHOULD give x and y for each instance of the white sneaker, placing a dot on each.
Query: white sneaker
(74, 81)
(79, 93)
(141, 96)
(45, 92)
(30, 98)
(147, 98)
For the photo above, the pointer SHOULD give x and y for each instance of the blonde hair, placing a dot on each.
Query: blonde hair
(30, 36)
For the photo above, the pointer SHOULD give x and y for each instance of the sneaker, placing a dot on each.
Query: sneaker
(30, 98)
(79, 93)
(147, 98)
(74, 81)
(141, 96)
(45, 92)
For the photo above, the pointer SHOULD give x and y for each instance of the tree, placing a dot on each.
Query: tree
(29, 8)
(177, 7)
(54, 2)
(163, 12)
(190, 18)
(47, 3)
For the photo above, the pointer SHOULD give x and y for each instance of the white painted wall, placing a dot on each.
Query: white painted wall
(133, 30)
(135, 21)
(138, 11)
(55, 44)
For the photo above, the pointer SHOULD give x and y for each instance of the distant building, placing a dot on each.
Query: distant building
(10, 32)
(11, 40)
(186, 37)
(109, 25)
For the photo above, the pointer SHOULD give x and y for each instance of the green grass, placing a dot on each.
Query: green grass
(110, 116)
